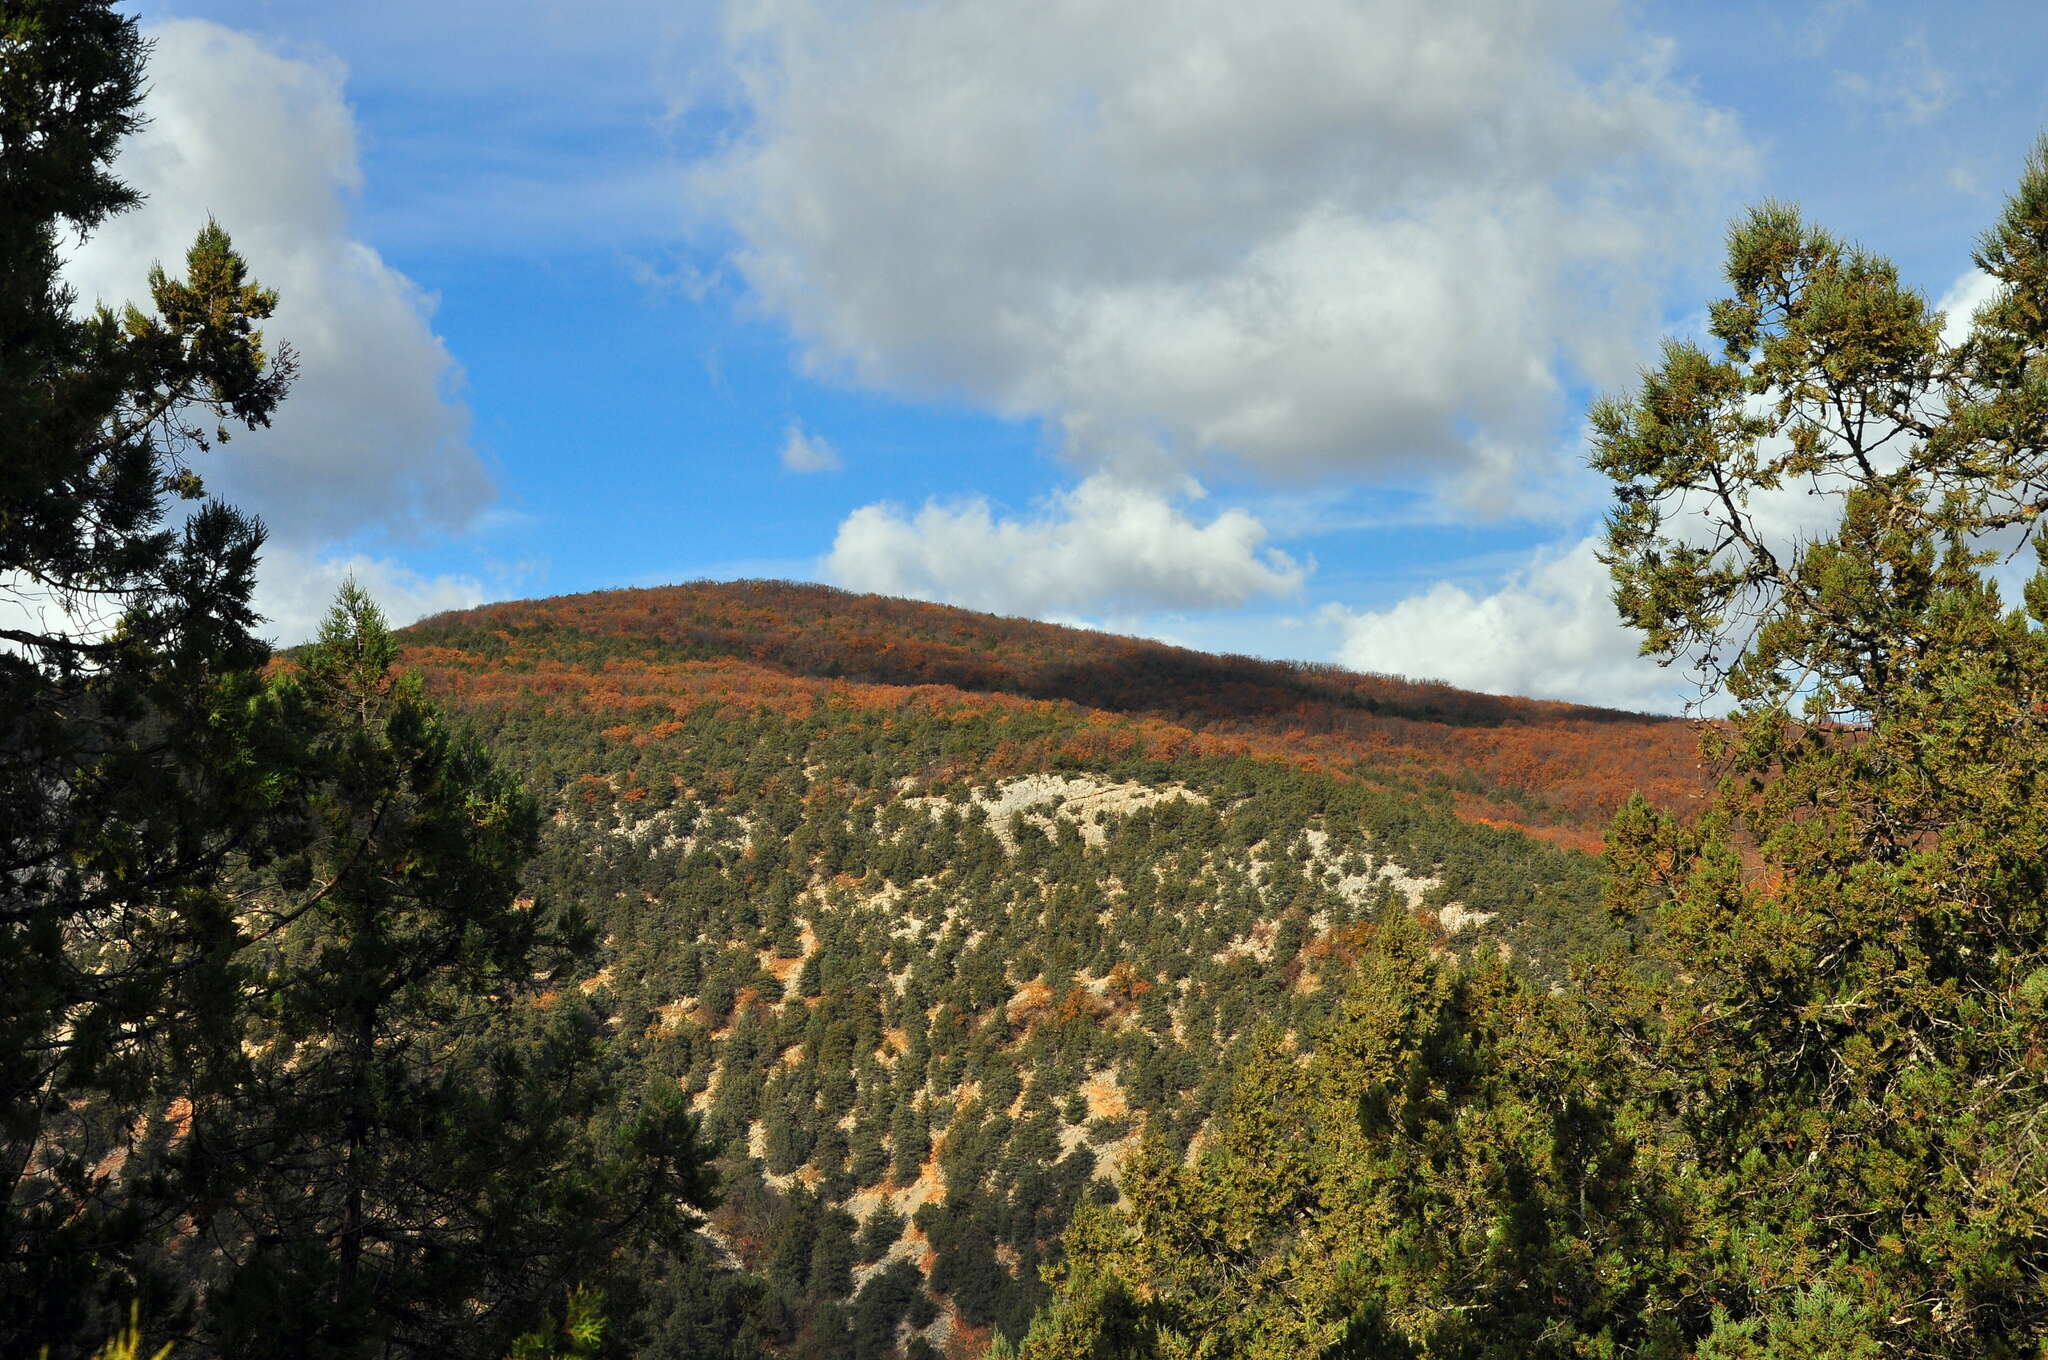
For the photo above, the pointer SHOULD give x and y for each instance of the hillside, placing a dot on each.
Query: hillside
(936, 916)
(1555, 770)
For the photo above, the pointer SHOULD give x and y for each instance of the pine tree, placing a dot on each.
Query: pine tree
(1439, 1175)
(430, 1148)
(1853, 937)
(833, 1255)
(132, 764)
(879, 1232)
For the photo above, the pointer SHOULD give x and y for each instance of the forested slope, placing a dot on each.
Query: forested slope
(1556, 770)
(1050, 995)
(935, 915)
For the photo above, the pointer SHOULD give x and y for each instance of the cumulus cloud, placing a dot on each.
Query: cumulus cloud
(1964, 298)
(805, 452)
(1549, 631)
(298, 587)
(1102, 545)
(294, 589)
(1314, 238)
(374, 436)
(1549, 628)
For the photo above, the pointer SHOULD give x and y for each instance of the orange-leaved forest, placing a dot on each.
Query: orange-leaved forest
(1555, 770)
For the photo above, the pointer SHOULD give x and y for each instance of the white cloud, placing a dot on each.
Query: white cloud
(1103, 545)
(296, 588)
(1550, 631)
(1320, 237)
(373, 436)
(803, 452)
(1968, 293)
(1911, 89)
(293, 591)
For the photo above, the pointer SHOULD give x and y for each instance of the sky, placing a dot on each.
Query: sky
(1255, 328)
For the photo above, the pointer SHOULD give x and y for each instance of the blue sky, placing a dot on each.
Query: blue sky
(1265, 329)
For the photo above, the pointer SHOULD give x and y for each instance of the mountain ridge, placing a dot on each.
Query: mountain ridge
(1553, 769)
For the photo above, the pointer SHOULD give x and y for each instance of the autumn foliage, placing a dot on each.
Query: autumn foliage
(651, 656)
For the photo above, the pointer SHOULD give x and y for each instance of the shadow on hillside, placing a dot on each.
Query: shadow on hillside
(1151, 678)
(820, 632)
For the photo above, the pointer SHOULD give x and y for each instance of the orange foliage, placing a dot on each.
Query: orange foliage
(1124, 984)
(1030, 1001)
(653, 657)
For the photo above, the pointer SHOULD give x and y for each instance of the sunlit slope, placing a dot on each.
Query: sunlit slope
(936, 916)
(1555, 770)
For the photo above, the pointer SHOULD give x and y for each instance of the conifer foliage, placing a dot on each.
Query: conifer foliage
(1855, 942)
(1801, 1116)
(277, 1075)
(418, 1157)
(1442, 1172)
(129, 768)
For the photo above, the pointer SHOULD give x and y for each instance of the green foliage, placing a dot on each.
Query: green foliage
(1842, 1019)
(878, 1232)
(1440, 1174)
(134, 758)
(1799, 1117)
(577, 1336)
(274, 1063)
(880, 981)
(401, 1143)
(413, 1149)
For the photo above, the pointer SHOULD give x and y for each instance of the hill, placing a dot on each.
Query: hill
(937, 915)
(1555, 770)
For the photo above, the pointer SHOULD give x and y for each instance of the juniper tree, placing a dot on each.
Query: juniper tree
(1804, 1119)
(1854, 935)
